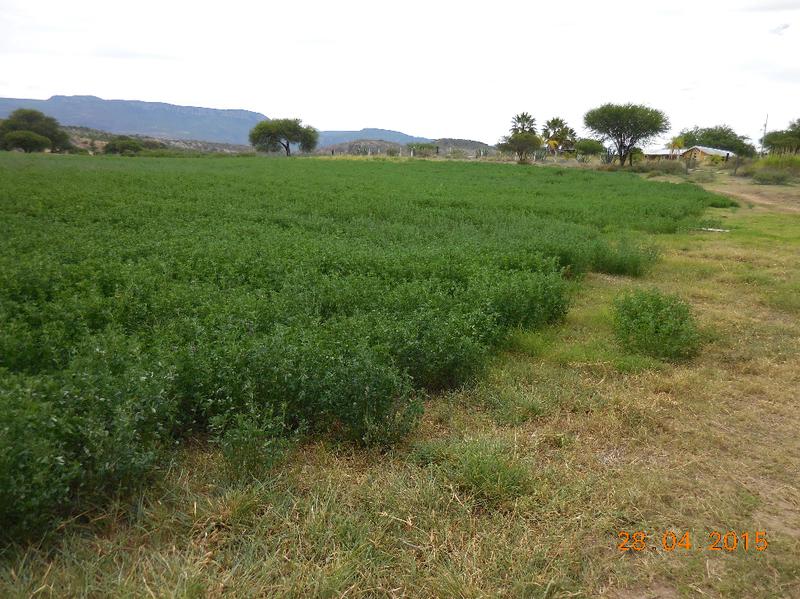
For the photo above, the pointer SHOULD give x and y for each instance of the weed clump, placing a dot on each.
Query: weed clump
(771, 177)
(660, 167)
(486, 470)
(703, 177)
(656, 324)
(252, 444)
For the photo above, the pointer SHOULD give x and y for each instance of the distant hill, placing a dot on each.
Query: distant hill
(331, 138)
(448, 144)
(169, 121)
(95, 140)
(155, 119)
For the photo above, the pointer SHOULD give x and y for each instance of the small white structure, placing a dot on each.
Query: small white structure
(661, 153)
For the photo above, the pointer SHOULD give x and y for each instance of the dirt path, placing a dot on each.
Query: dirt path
(778, 198)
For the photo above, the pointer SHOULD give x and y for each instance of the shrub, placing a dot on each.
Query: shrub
(771, 177)
(125, 146)
(655, 324)
(589, 147)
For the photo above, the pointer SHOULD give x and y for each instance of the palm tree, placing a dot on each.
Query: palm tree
(675, 145)
(523, 123)
(558, 135)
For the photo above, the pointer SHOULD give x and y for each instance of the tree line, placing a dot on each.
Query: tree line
(624, 126)
(786, 141)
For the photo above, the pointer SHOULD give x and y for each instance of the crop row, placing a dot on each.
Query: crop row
(144, 302)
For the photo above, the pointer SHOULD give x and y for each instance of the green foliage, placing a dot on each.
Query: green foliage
(92, 429)
(522, 140)
(146, 301)
(309, 137)
(626, 125)
(522, 144)
(127, 146)
(28, 141)
(721, 137)
(252, 443)
(589, 147)
(624, 257)
(784, 142)
(773, 169)
(486, 470)
(279, 134)
(37, 122)
(558, 136)
(523, 123)
(656, 324)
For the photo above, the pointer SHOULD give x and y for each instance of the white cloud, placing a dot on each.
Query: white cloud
(447, 68)
(774, 6)
(780, 29)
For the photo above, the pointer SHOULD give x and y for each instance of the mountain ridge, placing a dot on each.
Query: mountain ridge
(173, 121)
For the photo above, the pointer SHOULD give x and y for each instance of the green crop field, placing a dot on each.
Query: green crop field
(144, 302)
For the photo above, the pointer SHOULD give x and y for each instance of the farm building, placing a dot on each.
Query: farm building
(701, 153)
(698, 153)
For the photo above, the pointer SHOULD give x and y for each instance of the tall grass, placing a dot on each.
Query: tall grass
(773, 170)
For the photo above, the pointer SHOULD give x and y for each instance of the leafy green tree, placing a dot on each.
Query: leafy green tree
(721, 137)
(27, 141)
(558, 136)
(522, 144)
(37, 122)
(277, 134)
(309, 139)
(589, 147)
(626, 125)
(786, 141)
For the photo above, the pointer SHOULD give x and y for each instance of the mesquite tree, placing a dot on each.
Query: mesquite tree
(626, 125)
(277, 134)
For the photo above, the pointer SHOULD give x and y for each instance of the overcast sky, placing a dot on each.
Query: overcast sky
(432, 68)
